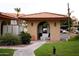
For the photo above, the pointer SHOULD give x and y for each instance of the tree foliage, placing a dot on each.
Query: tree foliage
(17, 10)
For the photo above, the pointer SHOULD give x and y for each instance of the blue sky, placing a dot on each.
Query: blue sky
(36, 6)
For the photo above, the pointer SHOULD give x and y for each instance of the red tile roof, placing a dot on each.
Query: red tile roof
(44, 15)
(3, 16)
(11, 14)
(36, 15)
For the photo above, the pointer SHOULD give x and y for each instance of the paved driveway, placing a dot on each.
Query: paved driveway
(28, 50)
(64, 36)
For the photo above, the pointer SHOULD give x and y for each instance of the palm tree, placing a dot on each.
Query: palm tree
(18, 11)
(17, 14)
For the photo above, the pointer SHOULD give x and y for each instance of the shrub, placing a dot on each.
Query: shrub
(9, 39)
(74, 38)
(0, 38)
(25, 37)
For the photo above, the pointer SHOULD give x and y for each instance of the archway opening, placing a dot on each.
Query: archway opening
(43, 31)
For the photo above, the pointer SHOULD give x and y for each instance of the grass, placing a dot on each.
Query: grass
(6, 52)
(69, 48)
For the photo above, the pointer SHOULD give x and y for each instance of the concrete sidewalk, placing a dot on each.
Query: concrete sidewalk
(28, 50)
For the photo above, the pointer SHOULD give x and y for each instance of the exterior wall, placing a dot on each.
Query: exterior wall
(33, 26)
(32, 29)
(54, 30)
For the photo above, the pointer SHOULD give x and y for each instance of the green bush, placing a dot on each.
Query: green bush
(25, 38)
(0, 38)
(74, 38)
(9, 39)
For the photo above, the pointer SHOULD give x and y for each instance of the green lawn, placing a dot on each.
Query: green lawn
(6, 52)
(70, 48)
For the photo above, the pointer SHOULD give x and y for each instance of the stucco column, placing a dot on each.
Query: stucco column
(32, 29)
(54, 30)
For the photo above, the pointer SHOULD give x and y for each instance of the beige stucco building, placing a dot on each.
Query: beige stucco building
(36, 21)
(39, 24)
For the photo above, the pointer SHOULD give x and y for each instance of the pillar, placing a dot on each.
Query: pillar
(32, 29)
(54, 30)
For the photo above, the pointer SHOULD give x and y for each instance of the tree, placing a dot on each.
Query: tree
(18, 11)
(66, 24)
(69, 18)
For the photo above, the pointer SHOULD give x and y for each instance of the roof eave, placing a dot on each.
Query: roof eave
(32, 18)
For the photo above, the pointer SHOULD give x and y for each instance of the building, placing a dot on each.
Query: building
(9, 24)
(38, 24)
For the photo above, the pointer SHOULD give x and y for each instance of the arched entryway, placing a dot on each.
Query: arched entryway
(43, 31)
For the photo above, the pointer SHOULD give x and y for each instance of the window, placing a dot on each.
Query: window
(13, 22)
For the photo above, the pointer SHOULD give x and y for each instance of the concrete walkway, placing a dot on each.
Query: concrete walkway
(28, 50)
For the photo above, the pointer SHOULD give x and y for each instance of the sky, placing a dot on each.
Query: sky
(36, 6)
